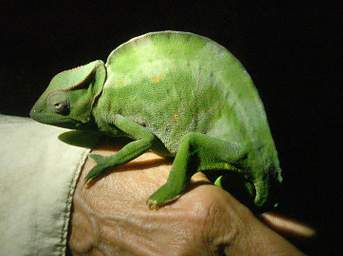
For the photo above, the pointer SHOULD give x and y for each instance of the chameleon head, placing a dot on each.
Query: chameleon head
(70, 96)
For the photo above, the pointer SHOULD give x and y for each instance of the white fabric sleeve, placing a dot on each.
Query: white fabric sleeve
(38, 175)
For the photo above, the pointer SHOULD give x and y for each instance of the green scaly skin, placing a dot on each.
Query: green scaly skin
(177, 91)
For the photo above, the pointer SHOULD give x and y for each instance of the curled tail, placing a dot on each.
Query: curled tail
(268, 190)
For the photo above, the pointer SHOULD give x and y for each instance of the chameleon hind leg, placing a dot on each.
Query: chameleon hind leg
(196, 152)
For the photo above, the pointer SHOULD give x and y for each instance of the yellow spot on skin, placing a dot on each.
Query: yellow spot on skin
(156, 79)
(121, 82)
(176, 117)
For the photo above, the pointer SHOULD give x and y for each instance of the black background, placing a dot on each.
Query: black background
(291, 51)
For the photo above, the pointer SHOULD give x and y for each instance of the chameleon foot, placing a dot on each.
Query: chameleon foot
(162, 196)
(99, 169)
(152, 204)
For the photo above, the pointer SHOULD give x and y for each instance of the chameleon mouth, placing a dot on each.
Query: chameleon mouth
(54, 119)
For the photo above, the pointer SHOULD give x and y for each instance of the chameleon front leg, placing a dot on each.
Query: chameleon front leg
(196, 152)
(143, 141)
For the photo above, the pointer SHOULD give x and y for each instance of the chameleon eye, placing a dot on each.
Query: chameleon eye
(58, 102)
(61, 108)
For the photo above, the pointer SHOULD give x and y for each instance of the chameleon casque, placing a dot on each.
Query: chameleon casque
(180, 93)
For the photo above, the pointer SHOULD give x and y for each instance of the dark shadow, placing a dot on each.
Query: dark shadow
(83, 139)
(89, 139)
(236, 185)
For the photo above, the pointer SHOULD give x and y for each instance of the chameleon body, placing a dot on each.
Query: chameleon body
(182, 94)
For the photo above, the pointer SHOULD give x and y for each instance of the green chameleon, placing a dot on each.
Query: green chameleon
(180, 94)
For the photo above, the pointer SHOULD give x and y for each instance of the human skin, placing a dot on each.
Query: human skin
(110, 217)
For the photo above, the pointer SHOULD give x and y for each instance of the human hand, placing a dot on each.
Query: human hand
(110, 217)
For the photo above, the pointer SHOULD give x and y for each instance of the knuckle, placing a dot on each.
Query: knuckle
(207, 212)
(217, 222)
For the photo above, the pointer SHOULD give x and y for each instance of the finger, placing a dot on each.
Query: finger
(287, 226)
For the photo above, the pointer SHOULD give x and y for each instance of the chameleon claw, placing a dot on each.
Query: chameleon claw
(96, 172)
(89, 177)
(152, 204)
